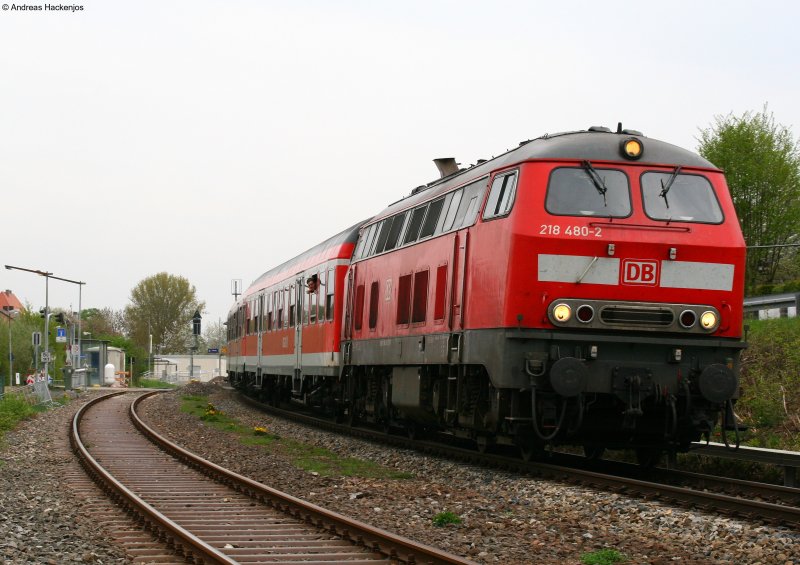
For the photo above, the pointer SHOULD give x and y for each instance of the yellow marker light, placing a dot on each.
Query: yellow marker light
(562, 313)
(632, 148)
(708, 320)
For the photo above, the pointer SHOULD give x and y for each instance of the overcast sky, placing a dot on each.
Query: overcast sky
(214, 140)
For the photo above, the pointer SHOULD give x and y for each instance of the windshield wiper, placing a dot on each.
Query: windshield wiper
(599, 183)
(665, 187)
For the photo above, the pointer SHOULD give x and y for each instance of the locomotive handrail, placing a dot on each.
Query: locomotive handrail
(611, 224)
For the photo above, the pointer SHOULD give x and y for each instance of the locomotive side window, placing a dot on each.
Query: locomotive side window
(501, 197)
(383, 235)
(373, 305)
(369, 234)
(415, 224)
(358, 314)
(452, 209)
(394, 232)
(420, 306)
(403, 299)
(468, 207)
(431, 218)
(680, 198)
(588, 191)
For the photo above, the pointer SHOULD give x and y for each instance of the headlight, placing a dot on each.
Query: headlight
(632, 148)
(709, 320)
(562, 313)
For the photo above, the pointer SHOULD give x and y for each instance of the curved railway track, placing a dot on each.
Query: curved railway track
(207, 514)
(775, 504)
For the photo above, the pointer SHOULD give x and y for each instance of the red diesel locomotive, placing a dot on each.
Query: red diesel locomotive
(584, 288)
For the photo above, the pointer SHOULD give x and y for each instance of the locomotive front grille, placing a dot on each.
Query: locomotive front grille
(637, 316)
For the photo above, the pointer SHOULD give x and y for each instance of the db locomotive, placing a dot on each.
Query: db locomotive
(584, 288)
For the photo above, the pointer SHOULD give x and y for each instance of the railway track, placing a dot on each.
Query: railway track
(205, 514)
(774, 504)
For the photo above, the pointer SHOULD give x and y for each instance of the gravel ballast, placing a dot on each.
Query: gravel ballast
(505, 517)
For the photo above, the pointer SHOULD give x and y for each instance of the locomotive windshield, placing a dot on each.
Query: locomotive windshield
(680, 198)
(588, 191)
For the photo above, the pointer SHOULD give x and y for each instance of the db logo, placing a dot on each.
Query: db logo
(639, 272)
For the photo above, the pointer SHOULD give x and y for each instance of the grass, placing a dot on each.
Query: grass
(13, 410)
(154, 383)
(445, 518)
(302, 455)
(603, 557)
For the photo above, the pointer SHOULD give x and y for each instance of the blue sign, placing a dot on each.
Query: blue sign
(213, 349)
(61, 335)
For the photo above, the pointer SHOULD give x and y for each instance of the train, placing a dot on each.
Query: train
(582, 289)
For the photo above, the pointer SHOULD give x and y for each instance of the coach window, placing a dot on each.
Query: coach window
(321, 296)
(358, 314)
(431, 218)
(670, 196)
(403, 300)
(501, 197)
(312, 299)
(415, 224)
(305, 308)
(292, 307)
(329, 293)
(588, 191)
(279, 310)
(374, 300)
(420, 303)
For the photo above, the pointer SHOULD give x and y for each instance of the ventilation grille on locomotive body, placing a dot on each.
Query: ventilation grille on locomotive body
(637, 316)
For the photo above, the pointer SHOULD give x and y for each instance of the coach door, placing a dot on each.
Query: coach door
(299, 296)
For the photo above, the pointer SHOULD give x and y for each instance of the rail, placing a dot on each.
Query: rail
(788, 460)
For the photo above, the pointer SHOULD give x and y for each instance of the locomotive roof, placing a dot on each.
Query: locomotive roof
(575, 145)
(324, 251)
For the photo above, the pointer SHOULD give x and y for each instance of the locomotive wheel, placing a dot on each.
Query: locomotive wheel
(593, 452)
(530, 452)
(648, 457)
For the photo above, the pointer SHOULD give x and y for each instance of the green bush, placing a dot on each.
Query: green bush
(444, 518)
(770, 383)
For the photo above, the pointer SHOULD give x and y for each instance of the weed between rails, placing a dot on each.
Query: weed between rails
(302, 455)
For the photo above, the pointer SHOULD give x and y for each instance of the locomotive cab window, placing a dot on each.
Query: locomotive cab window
(501, 197)
(588, 191)
(680, 198)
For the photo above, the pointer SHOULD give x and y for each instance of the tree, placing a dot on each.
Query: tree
(762, 165)
(215, 335)
(103, 322)
(162, 306)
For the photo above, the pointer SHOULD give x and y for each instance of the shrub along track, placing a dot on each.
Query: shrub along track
(210, 515)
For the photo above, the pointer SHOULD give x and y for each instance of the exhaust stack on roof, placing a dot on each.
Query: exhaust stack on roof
(446, 165)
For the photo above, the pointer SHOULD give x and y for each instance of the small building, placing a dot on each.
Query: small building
(9, 301)
(182, 368)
